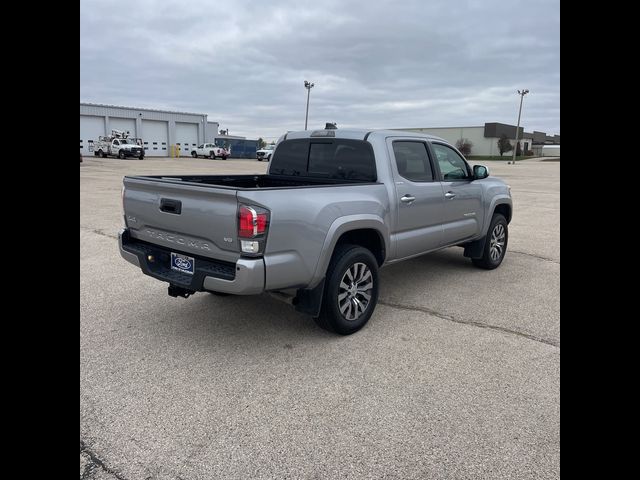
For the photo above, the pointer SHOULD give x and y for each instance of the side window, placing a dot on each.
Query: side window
(201, 146)
(452, 165)
(413, 161)
(116, 142)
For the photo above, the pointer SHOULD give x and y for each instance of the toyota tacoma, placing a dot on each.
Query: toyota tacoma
(333, 208)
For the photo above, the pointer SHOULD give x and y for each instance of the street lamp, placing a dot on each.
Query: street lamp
(522, 93)
(308, 86)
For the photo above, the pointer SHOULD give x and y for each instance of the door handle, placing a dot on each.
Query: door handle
(449, 195)
(407, 198)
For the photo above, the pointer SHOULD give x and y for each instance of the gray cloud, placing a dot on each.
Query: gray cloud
(374, 64)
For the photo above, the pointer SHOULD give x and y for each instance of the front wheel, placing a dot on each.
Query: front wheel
(212, 155)
(121, 154)
(351, 290)
(495, 245)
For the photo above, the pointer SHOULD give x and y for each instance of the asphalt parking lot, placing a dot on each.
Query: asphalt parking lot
(455, 376)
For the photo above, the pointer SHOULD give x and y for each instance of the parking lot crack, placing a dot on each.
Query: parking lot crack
(547, 259)
(94, 463)
(470, 322)
(98, 232)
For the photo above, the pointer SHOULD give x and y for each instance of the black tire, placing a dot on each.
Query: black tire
(269, 158)
(259, 159)
(224, 158)
(194, 154)
(102, 154)
(141, 157)
(347, 257)
(121, 154)
(487, 261)
(212, 155)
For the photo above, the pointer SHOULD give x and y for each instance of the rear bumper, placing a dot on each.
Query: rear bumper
(245, 277)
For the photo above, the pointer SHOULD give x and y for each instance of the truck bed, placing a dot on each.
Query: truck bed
(253, 182)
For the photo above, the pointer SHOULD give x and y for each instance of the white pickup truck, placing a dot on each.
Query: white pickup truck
(210, 150)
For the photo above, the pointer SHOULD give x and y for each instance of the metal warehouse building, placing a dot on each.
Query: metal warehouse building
(159, 129)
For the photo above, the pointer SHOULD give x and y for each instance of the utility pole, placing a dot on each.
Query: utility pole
(308, 86)
(522, 93)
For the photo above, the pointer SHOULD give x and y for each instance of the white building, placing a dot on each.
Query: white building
(485, 138)
(159, 129)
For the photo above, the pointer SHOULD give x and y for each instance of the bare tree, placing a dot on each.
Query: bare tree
(504, 145)
(464, 145)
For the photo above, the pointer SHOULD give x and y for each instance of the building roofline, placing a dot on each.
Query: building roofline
(436, 128)
(143, 109)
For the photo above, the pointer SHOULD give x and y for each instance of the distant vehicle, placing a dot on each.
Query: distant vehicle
(210, 150)
(265, 153)
(118, 144)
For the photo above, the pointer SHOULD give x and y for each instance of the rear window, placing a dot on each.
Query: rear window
(325, 158)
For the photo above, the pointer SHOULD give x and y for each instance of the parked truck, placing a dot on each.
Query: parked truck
(210, 150)
(333, 208)
(119, 144)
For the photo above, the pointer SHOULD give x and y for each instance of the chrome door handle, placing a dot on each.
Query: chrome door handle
(449, 195)
(407, 198)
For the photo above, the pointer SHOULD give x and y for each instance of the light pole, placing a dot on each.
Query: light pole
(308, 86)
(522, 93)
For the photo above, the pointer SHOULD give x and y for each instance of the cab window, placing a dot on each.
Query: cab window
(452, 165)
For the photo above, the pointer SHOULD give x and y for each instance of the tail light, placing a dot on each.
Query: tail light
(253, 223)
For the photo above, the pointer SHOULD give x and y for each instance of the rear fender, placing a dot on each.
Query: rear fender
(340, 226)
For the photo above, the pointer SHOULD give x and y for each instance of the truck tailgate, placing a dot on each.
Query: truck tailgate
(189, 218)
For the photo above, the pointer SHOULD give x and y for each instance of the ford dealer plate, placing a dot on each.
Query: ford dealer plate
(182, 263)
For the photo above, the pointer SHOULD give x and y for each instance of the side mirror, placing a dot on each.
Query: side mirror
(480, 172)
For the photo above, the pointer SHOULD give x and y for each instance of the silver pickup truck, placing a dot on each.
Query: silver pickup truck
(333, 208)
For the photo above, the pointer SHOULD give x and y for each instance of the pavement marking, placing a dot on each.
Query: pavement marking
(469, 322)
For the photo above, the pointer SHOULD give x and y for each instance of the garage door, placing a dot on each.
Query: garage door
(90, 129)
(124, 124)
(186, 137)
(155, 138)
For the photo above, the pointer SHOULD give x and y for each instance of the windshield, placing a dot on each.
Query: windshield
(124, 141)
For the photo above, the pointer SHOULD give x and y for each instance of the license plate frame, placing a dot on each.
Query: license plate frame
(183, 263)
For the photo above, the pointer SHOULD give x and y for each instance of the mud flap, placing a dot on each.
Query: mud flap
(475, 249)
(309, 301)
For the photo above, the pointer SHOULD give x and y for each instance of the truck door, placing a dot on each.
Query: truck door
(115, 147)
(419, 197)
(462, 212)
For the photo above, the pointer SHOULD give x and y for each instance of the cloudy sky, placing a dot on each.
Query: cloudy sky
(375, 64)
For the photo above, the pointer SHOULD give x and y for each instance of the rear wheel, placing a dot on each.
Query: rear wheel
(495, 245)
(351, 290)
(194, 154)
(141, 157)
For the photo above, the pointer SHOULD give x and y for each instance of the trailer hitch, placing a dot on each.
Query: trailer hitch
(175, 291)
